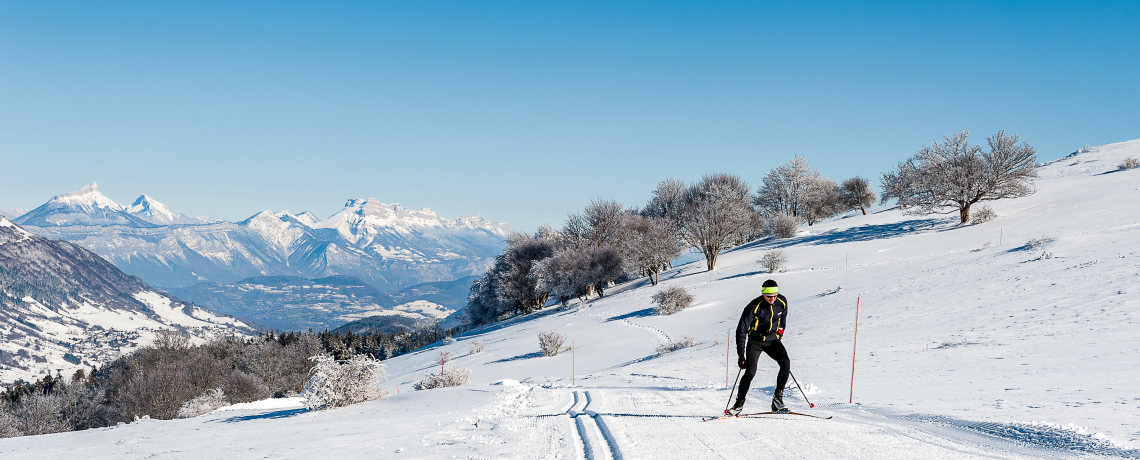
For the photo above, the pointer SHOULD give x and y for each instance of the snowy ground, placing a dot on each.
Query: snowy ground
(964, 351)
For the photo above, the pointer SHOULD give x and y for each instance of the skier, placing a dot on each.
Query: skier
(761, 326)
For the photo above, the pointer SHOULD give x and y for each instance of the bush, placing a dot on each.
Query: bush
(8, 425)
(1128, 163)
(984, 214)
(781, 226)
(1035, 243)
(672, 300)
(342, 383)
(240, 387)
(40, 414)
(774, 261)
(551, 342)
(476, 346)
(209, 402)
(448, 376)
(685, 342)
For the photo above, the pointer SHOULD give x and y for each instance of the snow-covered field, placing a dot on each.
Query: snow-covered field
(970, 345)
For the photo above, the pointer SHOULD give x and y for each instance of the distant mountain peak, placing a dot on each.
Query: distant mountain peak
(88, 198)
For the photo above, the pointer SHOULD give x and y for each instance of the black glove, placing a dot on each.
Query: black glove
(743, 363)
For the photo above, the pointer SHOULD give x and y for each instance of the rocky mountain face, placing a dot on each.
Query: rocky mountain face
(385, 245)
(296, 303)
(62, 307)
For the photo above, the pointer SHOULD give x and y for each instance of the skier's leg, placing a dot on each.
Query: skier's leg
(778, 353)
(751, 356)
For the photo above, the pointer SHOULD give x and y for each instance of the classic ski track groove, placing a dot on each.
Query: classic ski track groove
(583, 431)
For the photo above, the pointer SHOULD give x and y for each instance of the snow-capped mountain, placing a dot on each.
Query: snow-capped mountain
(386, 245)
(13, 213)
(150, 210)
(85, 207)
(63, 307)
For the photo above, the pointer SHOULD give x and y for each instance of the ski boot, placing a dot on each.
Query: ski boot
(736, 408)
(778, 404)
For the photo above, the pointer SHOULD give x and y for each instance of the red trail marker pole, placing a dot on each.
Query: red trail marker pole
(854, 347)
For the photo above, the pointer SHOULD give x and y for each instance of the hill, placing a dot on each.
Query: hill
(973, 342)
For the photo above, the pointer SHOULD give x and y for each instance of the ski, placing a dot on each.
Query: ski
(786, 413)
(719, 417)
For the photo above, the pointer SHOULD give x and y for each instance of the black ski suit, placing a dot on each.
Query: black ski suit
(760, 329)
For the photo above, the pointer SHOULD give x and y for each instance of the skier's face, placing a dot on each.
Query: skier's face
(770, 297)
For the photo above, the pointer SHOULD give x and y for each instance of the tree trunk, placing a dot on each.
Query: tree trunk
(862, 209)
(710, 260)
(964, 213)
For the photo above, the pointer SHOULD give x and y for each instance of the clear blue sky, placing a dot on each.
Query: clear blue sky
(524, 111)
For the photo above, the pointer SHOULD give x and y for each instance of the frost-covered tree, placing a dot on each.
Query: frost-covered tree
(953, 175)
(716, 215)
(797, 190)
(576, 272)
(857, 193)
(517, 289)
(821, 200)
(651, 243)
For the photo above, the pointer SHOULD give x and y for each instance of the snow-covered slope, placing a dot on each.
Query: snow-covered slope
(63, 307)
(965, 350)
(388, 246)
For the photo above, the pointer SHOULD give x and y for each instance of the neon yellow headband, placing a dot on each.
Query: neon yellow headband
(770, 290)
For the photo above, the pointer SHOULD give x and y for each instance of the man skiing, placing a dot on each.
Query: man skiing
(759, 331)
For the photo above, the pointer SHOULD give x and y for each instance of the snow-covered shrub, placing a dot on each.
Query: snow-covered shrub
(782, 226)
(443, 358)
(983, 215)
(1128, 163)
(38, 413)
(685, 342)
(476, 346)
(1035, 243)
(8, 425)
(447, 340)
(774, 261)
(448, 376)
(240, 387)
(671, 300)
(551, 342)
(212, 400)
(341, 383)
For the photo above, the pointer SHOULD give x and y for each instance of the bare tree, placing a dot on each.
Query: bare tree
(953, 175)
(517, 289)
(656, 245)
(783, 189)
(821, 199)
(716, 215)
(856, 193)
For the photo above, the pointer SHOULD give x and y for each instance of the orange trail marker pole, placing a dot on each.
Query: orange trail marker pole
(854, 347)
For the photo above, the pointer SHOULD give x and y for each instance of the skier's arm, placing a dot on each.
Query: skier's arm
(742, 328)
(783, 320)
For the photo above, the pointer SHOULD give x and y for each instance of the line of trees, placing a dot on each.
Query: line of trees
(608, 242)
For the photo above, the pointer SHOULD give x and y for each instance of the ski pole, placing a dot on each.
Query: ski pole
(732, 390)
(801, 388)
